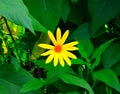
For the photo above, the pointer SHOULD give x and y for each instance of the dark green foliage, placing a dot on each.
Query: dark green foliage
(95, 24)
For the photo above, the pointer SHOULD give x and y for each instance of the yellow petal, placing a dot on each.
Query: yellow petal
(66, 59)
(47, 53)
(69, 54)
(52, 38)
(61, 61)
(71, 44)
(46, 46)
(58, 34)
(71, 48)
(50, 58)
(56, 59)
(64, 37)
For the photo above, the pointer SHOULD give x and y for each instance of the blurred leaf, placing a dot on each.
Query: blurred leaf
(37, 26)
(85, 48)
(15, 62)
(33, 84)
(97, 53)
(37, 51)
(74, 15)
(108, 77)
(10, 88)
(12, 79)
(16, 12)
(65, 9)
(82, 32)
(9, 73)
(47, 12)
(77, 81)
(102, 11)
(111, 55)
(3, 90)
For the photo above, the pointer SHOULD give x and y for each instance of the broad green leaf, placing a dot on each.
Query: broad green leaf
(16, 12)
(111, 55)
(108, 77)
(3, 90)
(78, 12)
(82, 32)
(77, 81)
(102, 11)
(85, 48)
(33, 84)
(47, 12)
(65, 10)
(18, 77)
(12, 79)
(10, 88)
(37, 26)
(97, 53)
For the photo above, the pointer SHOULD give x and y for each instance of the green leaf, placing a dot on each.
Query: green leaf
(9, 88)
(111, 55)
(3, 90)
(47, 12)
(77, 81)
(63, 87)
(85, 48)
(102, 11)
(37, 26)
(54, 73)
(82, 32)
(74, 15)
(33, 84)
(78, 61)
(108, 77)
(65, 10)
(12, 80)
(16, 12)
(116, 68)
(9, 73)
(97, 53)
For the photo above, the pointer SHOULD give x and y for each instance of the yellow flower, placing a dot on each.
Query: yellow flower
(59, 51)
